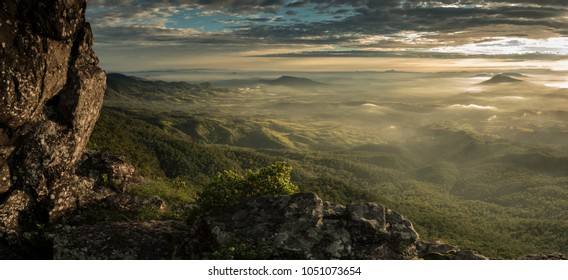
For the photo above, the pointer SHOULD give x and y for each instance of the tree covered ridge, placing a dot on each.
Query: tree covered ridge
(494, 205)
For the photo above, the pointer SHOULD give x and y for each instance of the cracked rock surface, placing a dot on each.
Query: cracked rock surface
(303, 226)
(51, 93)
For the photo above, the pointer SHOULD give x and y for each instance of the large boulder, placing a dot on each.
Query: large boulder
(51, 93)
(302, 226)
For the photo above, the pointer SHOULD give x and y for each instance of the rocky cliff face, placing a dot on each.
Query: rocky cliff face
(51, 92)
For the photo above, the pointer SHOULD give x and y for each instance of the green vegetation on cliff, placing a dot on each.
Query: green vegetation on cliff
(229, 187)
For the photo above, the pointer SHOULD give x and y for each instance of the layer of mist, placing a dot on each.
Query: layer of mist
(395, 106)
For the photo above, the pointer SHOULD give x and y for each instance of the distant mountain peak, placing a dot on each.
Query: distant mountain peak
(501, 79)
(285, 77)
(292, 81)
(513, 74)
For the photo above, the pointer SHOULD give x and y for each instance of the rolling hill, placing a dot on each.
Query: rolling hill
(294, 82)
(501, 79)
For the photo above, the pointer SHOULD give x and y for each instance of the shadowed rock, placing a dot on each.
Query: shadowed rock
(150, 240)
(51, 93)
(302, 226)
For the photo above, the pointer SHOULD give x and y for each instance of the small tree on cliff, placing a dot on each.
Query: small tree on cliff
(228, 187)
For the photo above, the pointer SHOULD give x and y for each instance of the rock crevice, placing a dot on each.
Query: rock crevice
(51, 93)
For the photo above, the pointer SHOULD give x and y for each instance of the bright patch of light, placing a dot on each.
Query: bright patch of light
(558, 85)
(505, 46)
(475, 89)
(513, 98)
(561, 65)
(375, 39)
(406, 37)
(481, 78)
(372, 108)
(473, 106)
(492, 118)
(437, 4)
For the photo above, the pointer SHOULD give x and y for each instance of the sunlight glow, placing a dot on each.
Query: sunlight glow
(513, 98)
(473, 106)
(558, 85)
(561, 65)
(504, 46)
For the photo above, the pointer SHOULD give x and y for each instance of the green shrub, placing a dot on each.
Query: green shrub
(229, 187)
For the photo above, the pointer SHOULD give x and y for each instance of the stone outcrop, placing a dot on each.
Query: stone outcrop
(51, 93)
(302, 226)
(107, 171)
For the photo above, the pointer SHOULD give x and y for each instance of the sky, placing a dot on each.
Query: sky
(333, 35)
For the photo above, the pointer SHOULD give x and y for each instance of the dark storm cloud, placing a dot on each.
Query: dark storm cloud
(143, 36)
(383, 17)
(296, 4)
(342, 11)
(242, 5)
(374, 11)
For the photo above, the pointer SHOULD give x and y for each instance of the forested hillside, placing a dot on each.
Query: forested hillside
(456, 183)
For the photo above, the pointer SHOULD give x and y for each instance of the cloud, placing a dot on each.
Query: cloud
(473, 107)
(445, 23)
(238, 6)
(416, 54)
(513, 98)
(366, 17)
(504, 46)
(557, 85)
(527, 29)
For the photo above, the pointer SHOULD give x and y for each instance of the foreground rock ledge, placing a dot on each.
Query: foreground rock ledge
(51, 93)
(300, 226)
(303, 226)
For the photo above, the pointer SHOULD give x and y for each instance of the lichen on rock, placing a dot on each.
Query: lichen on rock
(302, 226)
(51, 93)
